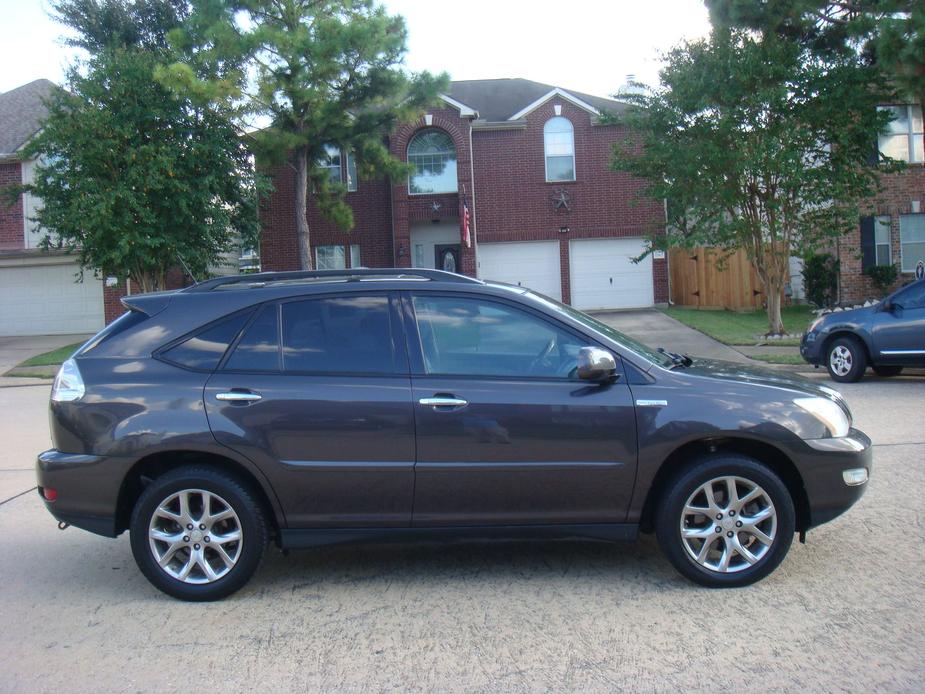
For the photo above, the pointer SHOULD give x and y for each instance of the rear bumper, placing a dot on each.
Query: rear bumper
(87, 489)
(822, 465)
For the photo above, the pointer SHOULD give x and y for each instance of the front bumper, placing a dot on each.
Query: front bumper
(822, 464)
(87, 488)
(811, 348)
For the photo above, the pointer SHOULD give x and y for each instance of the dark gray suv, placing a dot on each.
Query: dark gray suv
(315, 408)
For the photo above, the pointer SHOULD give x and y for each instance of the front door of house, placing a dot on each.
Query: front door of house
(446, 257)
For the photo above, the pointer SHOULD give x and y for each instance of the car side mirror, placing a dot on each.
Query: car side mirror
(595, 364)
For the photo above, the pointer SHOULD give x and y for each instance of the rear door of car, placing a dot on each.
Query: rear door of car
(899, 334)
(316, 391)
(506, 433)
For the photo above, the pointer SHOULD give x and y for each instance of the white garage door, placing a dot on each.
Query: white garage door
(45, 300)
(532, 264)
(604, 276)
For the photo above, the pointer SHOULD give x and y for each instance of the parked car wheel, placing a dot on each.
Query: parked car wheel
(846, 360)
(198, 534)
(725, 522)
(887, 371)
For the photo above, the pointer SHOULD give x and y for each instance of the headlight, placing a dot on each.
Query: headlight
(815, 324)
(827, 412)
(69, 384)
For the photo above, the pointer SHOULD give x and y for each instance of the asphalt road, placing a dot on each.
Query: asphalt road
(844, 612)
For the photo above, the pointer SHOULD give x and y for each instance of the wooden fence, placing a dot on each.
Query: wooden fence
(698, 280)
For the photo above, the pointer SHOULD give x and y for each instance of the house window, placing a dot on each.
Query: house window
(351, 172)
(331, 162)
(912, 240)
(333, 257)
(903, 138)
(559, 142)
(432, 155)
(882, 240)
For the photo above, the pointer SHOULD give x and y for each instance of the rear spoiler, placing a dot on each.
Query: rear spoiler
(148, 304)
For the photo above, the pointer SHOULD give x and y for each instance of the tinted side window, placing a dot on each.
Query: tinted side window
(258, 348)
(204, 350)
(480, 338)
(349, 334)
(913, 297)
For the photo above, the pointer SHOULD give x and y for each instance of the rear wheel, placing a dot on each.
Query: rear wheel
(887, 371)
(846, 359)
(727, 521)
(198, 534)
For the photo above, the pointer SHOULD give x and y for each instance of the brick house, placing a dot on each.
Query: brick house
(38, 291)
(530, 163)
(892, 228)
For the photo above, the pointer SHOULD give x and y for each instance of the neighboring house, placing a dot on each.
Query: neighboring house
(530, 163)
(892, 230)
(38, 292)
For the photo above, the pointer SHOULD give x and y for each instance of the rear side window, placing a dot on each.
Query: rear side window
(204, 350)
(349, 334)
(258, 348)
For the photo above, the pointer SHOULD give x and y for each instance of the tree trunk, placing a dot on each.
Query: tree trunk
(773, 292)
(301, 197)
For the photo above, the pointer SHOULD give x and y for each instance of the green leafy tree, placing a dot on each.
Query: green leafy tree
(757, 145)
(320, 73)
(888, 33)
(131, 177)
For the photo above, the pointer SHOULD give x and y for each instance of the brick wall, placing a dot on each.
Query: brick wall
(895, 199)
(11, 216)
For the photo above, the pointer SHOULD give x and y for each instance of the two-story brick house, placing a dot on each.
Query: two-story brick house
(528, 165)
(892, 228)
(41, 292)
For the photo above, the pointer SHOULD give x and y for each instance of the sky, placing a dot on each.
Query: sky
(585, 45)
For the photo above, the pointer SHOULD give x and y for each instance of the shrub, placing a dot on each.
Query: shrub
(883, 276)
(820, 279)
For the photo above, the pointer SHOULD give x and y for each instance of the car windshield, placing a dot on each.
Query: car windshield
(661, 358)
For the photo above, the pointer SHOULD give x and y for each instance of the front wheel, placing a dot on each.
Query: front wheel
(846, 360)
(727, 521)
(198, 534)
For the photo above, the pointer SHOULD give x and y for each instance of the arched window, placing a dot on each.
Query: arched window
(432, 154)
(559, 141)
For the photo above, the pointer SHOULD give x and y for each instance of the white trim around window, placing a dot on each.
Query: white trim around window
(883, 252)
(904, 139)
(559, 150)
(911, 240)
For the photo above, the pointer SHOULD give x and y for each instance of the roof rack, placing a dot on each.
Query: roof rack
(262, 279)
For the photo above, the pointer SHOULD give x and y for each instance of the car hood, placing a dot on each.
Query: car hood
(852, 315)
(756, 375)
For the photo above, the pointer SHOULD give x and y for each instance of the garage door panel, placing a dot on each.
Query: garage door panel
(531, 264)
(604, 276)
(45, 300)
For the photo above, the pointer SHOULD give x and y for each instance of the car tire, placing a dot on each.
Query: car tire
(887, 371)
(845, 359)
(192, 552)
(750, 559)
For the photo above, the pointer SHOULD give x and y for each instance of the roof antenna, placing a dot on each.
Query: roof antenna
(186, 268)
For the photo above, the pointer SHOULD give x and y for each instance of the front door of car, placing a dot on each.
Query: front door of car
(899, 332)
(506, 432)
(316, 391)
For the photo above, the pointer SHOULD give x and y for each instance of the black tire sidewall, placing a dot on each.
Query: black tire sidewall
(858, 359)
(250, 515)
(668, 520)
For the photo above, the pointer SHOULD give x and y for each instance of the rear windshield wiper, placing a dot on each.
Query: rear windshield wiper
(676, 359)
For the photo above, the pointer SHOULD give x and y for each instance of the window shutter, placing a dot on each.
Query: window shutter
(868, 243)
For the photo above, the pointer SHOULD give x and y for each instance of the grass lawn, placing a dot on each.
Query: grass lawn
(52, 358)
(733, 328)
(794, 359)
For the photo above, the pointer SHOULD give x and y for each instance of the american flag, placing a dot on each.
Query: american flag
(466, 239)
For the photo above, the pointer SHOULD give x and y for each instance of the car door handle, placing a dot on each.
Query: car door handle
(443, 401)
(237, 396)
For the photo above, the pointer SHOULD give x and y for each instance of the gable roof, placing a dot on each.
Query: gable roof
(21, 114)
(500, 99)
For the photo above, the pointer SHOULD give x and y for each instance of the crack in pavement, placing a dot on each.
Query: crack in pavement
(16, 496)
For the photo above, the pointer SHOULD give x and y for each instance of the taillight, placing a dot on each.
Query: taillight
(69, 384)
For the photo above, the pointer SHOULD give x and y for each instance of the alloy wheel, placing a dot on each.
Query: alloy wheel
(728, 524)
(195, 536)
(841, 360)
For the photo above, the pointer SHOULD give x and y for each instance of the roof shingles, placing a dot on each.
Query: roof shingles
(22, 111)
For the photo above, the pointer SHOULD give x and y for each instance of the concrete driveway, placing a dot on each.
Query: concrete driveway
(14, 350)
(843, 613)
(654, 328)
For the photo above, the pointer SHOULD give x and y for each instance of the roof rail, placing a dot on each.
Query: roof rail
(261, 279)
